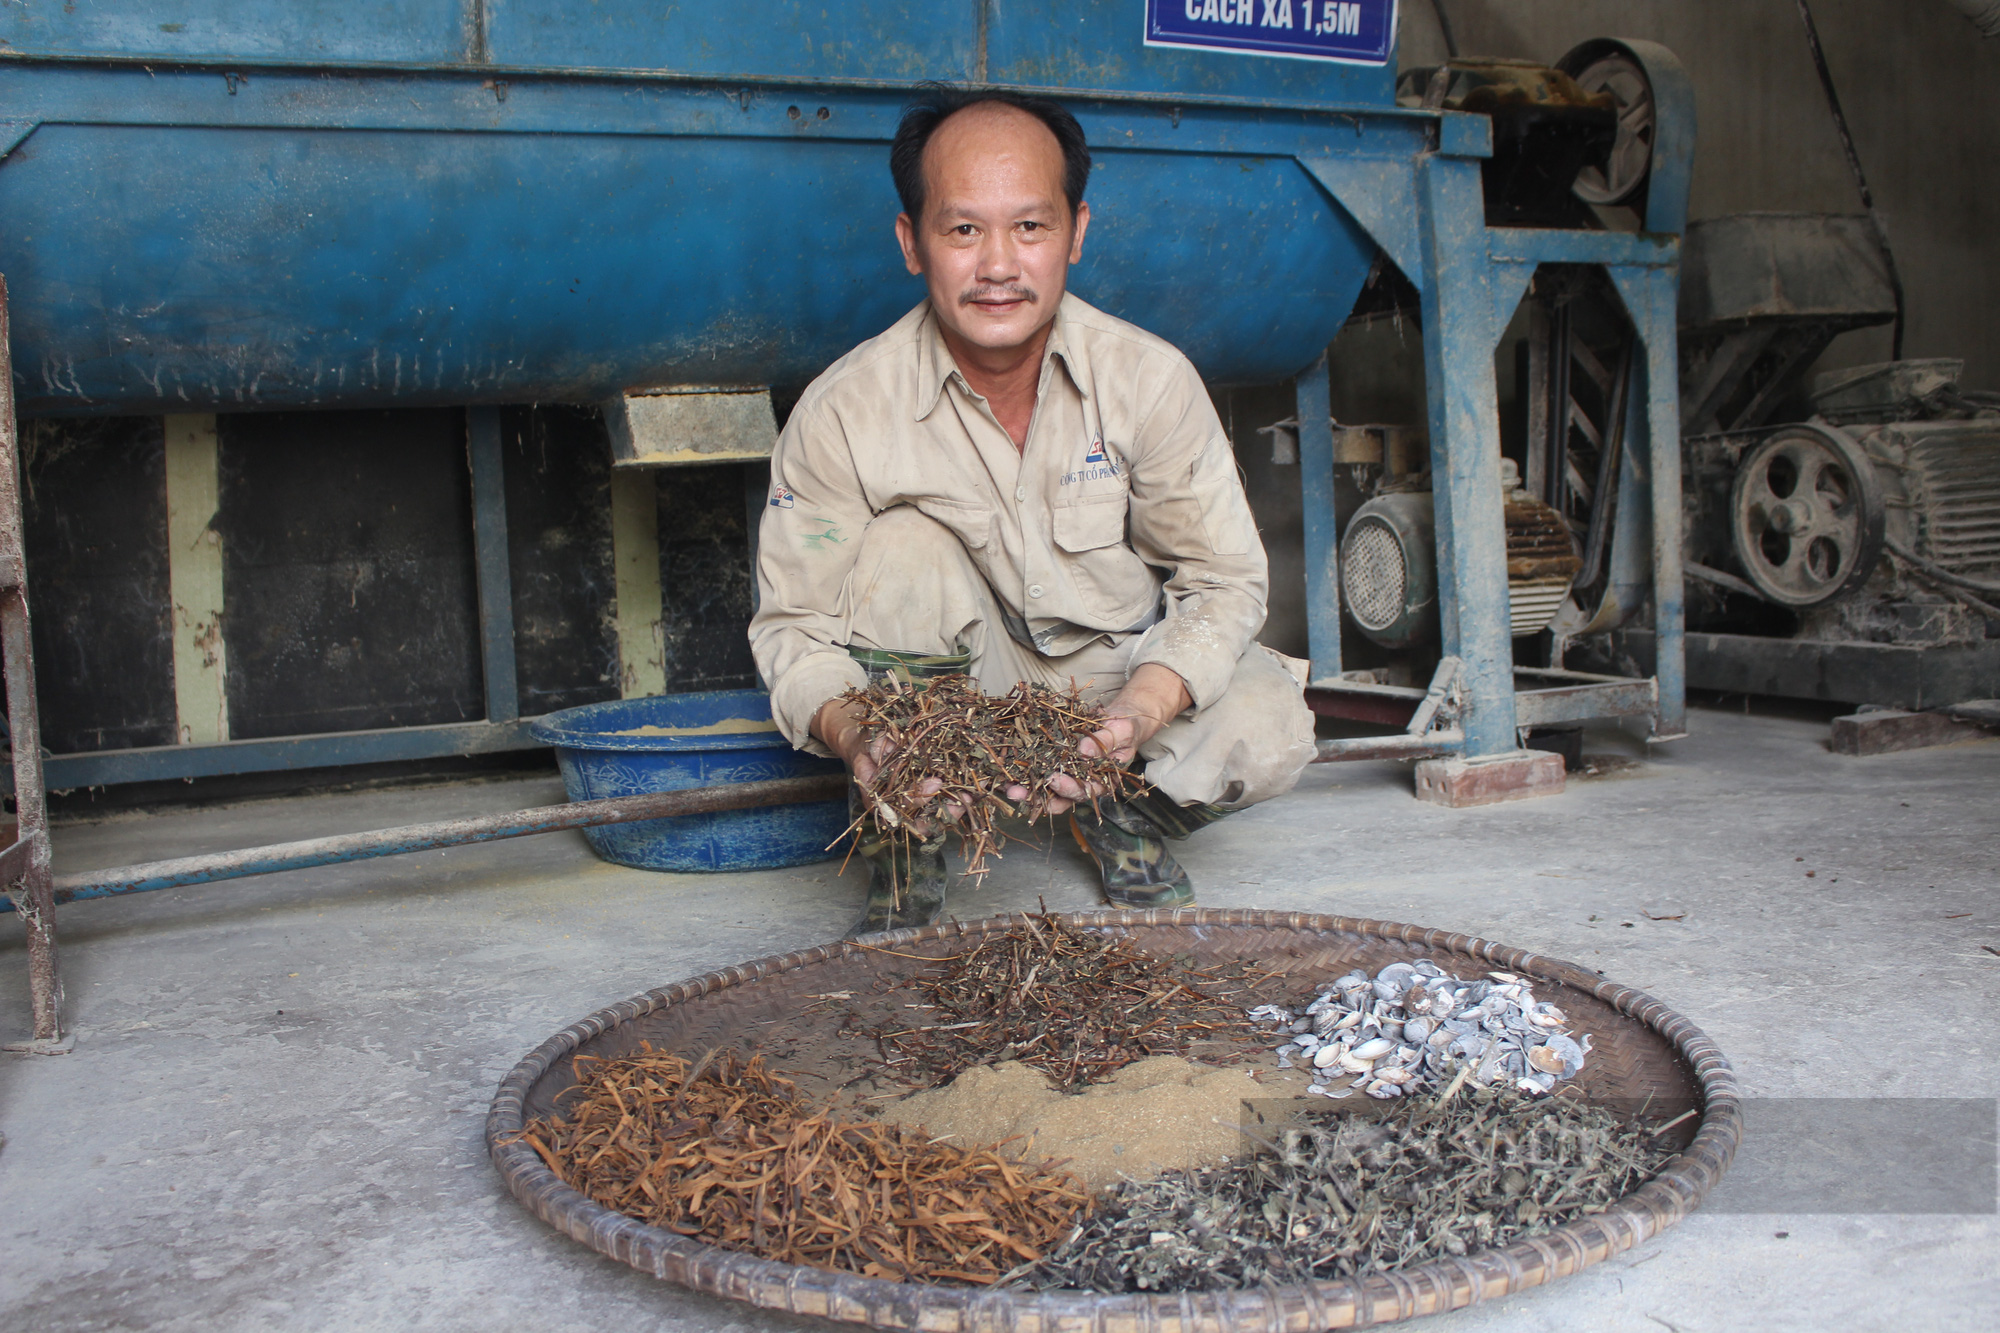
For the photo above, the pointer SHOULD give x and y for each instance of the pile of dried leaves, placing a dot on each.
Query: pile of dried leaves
(1434, 1178)
(957, 750)
(1079, 1005)
(725, 1152)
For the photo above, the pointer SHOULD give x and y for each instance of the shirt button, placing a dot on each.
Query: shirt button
(1020, 492)
(1034, 590)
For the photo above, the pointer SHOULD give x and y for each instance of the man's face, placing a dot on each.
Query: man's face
(996, 240)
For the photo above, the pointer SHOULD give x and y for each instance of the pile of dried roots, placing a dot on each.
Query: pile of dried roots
(957, 750)
(1436, 1177)
(1079, 1005)
(727, 1153)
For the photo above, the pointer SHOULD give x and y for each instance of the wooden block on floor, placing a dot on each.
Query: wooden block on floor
(1513, 776)
(1887, 730)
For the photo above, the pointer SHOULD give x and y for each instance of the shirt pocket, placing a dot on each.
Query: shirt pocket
(972, 524)
(1091, 524)
(1225, 514)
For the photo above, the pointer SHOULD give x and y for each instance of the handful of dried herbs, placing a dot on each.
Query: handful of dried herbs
(957, 750)
(1436, 1177)
(1079, 1005)
(725, 1152)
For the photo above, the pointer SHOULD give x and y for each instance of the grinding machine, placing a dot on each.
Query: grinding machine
(1843, 535)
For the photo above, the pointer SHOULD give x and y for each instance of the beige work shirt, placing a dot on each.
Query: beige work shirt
(1123, 513)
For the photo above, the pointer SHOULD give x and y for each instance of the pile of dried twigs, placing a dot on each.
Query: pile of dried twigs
(726, 1152)
(1436, 1177)
(957, 750)
(1077, 1004)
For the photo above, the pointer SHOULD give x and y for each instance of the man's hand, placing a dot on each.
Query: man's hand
(1154, 696)
(838, 727)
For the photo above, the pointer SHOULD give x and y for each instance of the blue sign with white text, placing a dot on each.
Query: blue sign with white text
(1356, 32)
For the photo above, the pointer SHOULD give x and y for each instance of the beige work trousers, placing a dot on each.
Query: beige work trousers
(914, 589)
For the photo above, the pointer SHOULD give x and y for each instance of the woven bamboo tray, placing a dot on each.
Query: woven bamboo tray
(1643, 1053)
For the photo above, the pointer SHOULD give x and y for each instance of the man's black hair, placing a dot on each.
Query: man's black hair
(938, 102)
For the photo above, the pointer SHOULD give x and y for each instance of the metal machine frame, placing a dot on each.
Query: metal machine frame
(1426, 214)
(1410, 178)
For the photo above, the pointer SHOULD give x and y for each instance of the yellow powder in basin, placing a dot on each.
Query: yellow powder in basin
(1161, 1112)
(729, 726)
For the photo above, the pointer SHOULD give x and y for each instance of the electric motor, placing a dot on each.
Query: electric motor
(1388, 569)
(1388, 566)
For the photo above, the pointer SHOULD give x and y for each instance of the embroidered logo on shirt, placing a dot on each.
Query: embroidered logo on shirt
(782, 498)
(1099, 464)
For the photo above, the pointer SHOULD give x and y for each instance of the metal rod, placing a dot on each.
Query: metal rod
(1654, 293)
(1444, 29)
(31, 892)
(485, 461)
(445, 833)
(1437, 745)
(1465, 295)
(1602, 496)
(1322, 544)
(896, 92)
(1535, 463)
(1557, 478)
(1720, 579)
(1986, 587)
(1860, 176)
(272, 754)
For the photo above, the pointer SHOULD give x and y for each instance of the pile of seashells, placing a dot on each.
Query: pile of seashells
(1413, 1025)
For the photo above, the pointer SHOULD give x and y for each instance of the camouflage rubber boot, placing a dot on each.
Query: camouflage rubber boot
(1158, 816)
(910, 668)
(1132, 858)
(906, 877)
(906, 882)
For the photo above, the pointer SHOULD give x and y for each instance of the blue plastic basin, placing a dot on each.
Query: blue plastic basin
(604, 750)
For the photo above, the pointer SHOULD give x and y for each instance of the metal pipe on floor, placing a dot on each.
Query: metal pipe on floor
(444, 833)
(1435, 745)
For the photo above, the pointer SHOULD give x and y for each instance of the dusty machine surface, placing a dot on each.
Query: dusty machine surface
(1843, 536)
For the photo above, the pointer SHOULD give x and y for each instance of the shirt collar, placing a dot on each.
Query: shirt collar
(935, 365)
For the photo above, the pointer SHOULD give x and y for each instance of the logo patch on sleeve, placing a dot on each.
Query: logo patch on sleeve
(782, 498)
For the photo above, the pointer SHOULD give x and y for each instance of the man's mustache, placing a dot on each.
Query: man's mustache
(1009, 292)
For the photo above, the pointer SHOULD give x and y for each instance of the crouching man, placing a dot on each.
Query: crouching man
(1014, 483)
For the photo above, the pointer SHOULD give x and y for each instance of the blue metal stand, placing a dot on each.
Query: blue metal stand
(1429, 216)
(1322, 542)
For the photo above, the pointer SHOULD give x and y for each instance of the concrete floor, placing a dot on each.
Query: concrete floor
(272, 1116)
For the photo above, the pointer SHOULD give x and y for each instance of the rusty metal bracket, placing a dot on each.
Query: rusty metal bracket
(26, 863)
(1442, 693)
(1423, 737)
(16, 860)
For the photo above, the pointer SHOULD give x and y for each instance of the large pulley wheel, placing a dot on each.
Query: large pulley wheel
(1631, 158)
(1806, 515)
